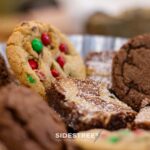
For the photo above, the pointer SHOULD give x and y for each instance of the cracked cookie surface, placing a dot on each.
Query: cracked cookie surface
(38, 53)
(131, 72)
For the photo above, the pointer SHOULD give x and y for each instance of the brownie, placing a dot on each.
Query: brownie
(27, 122)
(4, 73)
(86, 104)
(131, 72)
(99, 65)
(142, 120)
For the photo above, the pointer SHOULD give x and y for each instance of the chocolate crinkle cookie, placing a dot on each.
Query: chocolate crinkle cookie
(4, 73)
(131, 72)
(27, 123)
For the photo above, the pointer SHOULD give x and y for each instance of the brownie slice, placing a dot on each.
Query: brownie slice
(142, 120)
(98, 65)
(86, 104)
(4, 73)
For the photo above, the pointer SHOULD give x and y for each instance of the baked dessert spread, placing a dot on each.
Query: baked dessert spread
(98, 66)
(27, 122)
(142, 120)
(44, 60)
(4, 73)
(118, 140)
(86, 104)
(131, 73)
(39, 53)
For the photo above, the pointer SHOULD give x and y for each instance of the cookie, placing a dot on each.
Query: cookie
(4, 73)
(99, 65)
(38, 53)
(142, 120)
(131, 73)
(118, 140)
(86, 104)
(27, 122)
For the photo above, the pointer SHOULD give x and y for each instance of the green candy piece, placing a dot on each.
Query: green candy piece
(30, 79)
(113, 139)
(37, 45)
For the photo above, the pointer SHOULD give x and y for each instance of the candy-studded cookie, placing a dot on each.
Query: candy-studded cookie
(38, 53)
(98, 139)
(131, 72)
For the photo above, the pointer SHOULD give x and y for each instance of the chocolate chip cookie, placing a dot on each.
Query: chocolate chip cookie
(27, 122)
(38, 53)
(131, 72)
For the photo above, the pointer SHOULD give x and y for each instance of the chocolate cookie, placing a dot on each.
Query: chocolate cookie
(131, 72)
(38, 53)
(27, 123)
(86, 104)
(4, 73)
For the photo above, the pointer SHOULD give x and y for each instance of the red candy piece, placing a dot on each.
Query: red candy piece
(55, 73)
(33, 63)
(63, 48)
(45, 39)
(61, 61)
(138, 132)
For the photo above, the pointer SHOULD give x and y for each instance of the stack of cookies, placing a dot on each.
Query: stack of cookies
(59, 93)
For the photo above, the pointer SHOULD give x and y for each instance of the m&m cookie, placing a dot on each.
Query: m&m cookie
(39, 53)
(123, 139)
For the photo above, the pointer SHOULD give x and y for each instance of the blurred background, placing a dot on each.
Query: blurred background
(125, 18)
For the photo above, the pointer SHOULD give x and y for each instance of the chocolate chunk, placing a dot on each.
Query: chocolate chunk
(86, 104)
(131, 72)
(27, 123)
